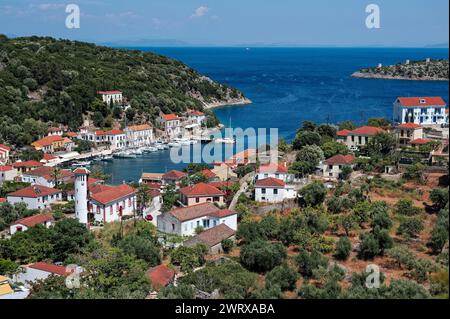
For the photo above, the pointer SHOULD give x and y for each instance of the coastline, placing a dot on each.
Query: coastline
(231, 102)
(389, 77)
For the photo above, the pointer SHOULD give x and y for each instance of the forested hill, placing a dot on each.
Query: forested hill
(47, 80)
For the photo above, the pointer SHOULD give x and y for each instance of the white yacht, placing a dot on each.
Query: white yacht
(225, 140)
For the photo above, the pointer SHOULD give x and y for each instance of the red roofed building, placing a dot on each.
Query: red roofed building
(170, 124)
(47, 176)
(40, 271)
(341, 136)
(114, 96)
(224, 171)
(160, 276)
(184, 221)
(212, 238)
(139, 135)
(201, 193)
(35, 196)
(209, 175)
(55, 131)
(26, 166)
(173, 177)
(54, 143)
(275, 170)
(420, 110)
(2, 200)
(4, 153)
(408, 132)
(332, 167)
(273, 190)
(23, 224)
(420, 141)
(360, 136)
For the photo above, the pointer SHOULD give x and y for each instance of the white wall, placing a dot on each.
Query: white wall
(269, 195)
(36, 203)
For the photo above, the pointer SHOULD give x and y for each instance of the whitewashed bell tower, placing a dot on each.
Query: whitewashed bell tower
(81, 195)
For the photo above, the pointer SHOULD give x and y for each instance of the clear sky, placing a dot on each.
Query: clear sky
(234, 22)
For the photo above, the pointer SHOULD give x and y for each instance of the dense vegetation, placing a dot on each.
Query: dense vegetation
(434, 70)
(47, 80)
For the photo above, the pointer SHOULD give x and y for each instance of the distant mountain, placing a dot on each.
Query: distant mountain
(438, 46)
(147, 43)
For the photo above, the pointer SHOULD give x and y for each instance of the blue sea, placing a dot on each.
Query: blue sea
(291, 85)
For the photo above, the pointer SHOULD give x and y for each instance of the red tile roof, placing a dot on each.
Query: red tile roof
(201, 189)
(208, 173)
(51, 268)
(114, 132)
(174, 175)
(4, 147)
(196, 113)
(28, 164)
(222, 213)
(34, 191)
(212, 236)
(273, 168)
(421, 101)
(160, 276)
(48, 140)
(410, 126)
(48, 173)
(420, 141)
(343, 133)
(270, 182)
(81, 171)
(54, 129)
(98, 188)
(109, 92)
(34, 220)
(2, 200)
(366, 130)
(169, 117)
(221, 184)
(48, 157)
(188, 213)
(6, 168)
(141, 127)
(71, 134)
(113, 194)
(340, 160)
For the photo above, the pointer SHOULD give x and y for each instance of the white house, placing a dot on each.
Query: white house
(273, 190)
(7, 173)
(55, 131)
(4, 153)
(273, 170)
(139, 135)
(47, 176)
(184, 221)
(23, 224)
(116, 138)
(115, 96)
(96, 203)
(40, 271)
(170, 124)
(332, 167)
(420, 110)
(358, 137)
(35, 196)
(408, 132)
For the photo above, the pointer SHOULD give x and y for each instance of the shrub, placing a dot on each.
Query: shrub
(439, 197)
(410, 227)
(261, 256)
(369, 247)
(314, 194)
(227, 245)
(282, 276)
(307, 262)
(343, 248)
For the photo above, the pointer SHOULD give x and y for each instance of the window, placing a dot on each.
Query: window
(216, 199)
(197, 200)
(173, 227)
(275, 191)
(129, 202)
(263, 190)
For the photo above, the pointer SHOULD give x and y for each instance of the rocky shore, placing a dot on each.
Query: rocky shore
(215, 104)
(390, 77)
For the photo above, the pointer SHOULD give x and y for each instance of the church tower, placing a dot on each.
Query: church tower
(81, 195)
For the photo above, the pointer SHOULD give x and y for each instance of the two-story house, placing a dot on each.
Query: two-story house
(408, 132)
(35, 196)
(170, 124)
(420, 110)
(332, 167)
(201, 193)
(184, 221)
(139, 135)
(273, 190)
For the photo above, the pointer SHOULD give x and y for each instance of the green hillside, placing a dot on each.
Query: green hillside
(46, 80)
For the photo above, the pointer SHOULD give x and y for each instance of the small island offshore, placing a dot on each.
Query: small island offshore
(425, 70)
